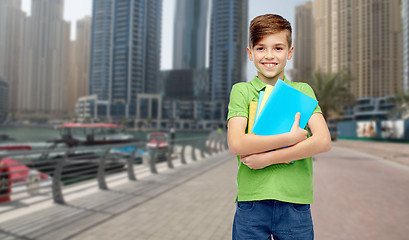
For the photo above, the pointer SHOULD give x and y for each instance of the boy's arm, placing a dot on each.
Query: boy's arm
(319, 142)
(241, 143)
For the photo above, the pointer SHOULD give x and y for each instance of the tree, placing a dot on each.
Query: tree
(401, 109)
(332, 91)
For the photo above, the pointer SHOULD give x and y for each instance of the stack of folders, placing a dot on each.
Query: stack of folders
(276, 109)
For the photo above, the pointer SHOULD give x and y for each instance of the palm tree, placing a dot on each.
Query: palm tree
(401, 109)
(332, 91)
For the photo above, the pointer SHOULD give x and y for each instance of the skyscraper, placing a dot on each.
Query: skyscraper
(125, 52)
(4, 97)
(43, 59)
(363, 38)
(228, 41)
(82, 55)
(405, 33)
(189, 51)
(11, 27)
(304, 42)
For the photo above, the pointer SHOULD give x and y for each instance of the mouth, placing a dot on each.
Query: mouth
(269, 64)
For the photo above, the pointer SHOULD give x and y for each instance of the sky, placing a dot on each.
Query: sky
(77, 9)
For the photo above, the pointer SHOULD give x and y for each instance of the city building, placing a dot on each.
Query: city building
(44, 59)
(228, 42)
(4, 95)
(369, 108)
(363, 38)
(185, 84)
(190, 26)
(11, 27)
(405, 34)
(82, 56)
(303, 56)
(125, 52)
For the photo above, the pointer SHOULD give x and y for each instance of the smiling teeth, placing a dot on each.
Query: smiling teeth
(269, 64)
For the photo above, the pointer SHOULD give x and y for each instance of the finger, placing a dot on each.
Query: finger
(297, 119)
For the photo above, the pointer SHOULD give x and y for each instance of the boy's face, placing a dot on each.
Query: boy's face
(270, 56)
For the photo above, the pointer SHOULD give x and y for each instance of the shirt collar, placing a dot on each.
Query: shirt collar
(260, 85)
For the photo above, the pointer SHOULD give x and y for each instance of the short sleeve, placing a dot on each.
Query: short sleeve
(307, 89)
(238, 105)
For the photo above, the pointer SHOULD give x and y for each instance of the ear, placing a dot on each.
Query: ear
(290, 53)
(249, 54)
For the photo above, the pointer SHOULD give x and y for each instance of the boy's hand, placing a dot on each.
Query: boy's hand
(255, 161)
(298, 134)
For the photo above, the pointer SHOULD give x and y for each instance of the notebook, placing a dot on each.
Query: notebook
(277, 115)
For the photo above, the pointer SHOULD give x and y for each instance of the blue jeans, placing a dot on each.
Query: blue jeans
(262, 219)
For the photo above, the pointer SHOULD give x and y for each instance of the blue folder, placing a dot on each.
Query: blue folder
(277, 115)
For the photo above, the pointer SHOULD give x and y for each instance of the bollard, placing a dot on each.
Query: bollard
(101, 171)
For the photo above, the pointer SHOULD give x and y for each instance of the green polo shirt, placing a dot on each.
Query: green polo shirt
(283, 182)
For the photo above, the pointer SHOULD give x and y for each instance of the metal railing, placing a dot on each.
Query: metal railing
(45, 173)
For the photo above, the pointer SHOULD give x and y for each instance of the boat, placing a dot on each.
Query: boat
(5, 137)
(157, 141)
(83, 134)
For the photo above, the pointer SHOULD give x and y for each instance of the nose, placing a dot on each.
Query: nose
(269, 54)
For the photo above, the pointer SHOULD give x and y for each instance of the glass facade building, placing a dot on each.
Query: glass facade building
(189, 44)
(228, 42)
(125, 52)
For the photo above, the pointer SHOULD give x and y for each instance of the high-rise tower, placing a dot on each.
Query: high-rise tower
(11, 28)
(44, 59)
(405, 33)
(228, 41)
(363, 38)
(304, 42)
(125, 53)
(189, 51)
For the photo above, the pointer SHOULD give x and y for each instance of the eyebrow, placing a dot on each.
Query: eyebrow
(276, 44)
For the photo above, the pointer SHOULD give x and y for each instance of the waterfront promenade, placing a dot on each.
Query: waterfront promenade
(358, 195)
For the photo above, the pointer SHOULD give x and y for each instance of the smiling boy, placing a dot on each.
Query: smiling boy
(273, 199)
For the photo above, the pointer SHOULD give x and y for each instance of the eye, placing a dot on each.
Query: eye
(279, 48)
(259, 48)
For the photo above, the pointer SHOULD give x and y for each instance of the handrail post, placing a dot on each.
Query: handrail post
(169, 157)
(129, 162)
(152, 162)
(220, 143)
(208, 145)
(193, 151)
(56, 184)
(214, 144)
(202, 146)
(182, 154)
(101, 171)
(226, 143)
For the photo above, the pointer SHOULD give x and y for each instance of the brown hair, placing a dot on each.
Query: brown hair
(268, 24)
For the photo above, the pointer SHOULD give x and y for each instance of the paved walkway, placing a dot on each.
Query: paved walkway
(357, 196)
